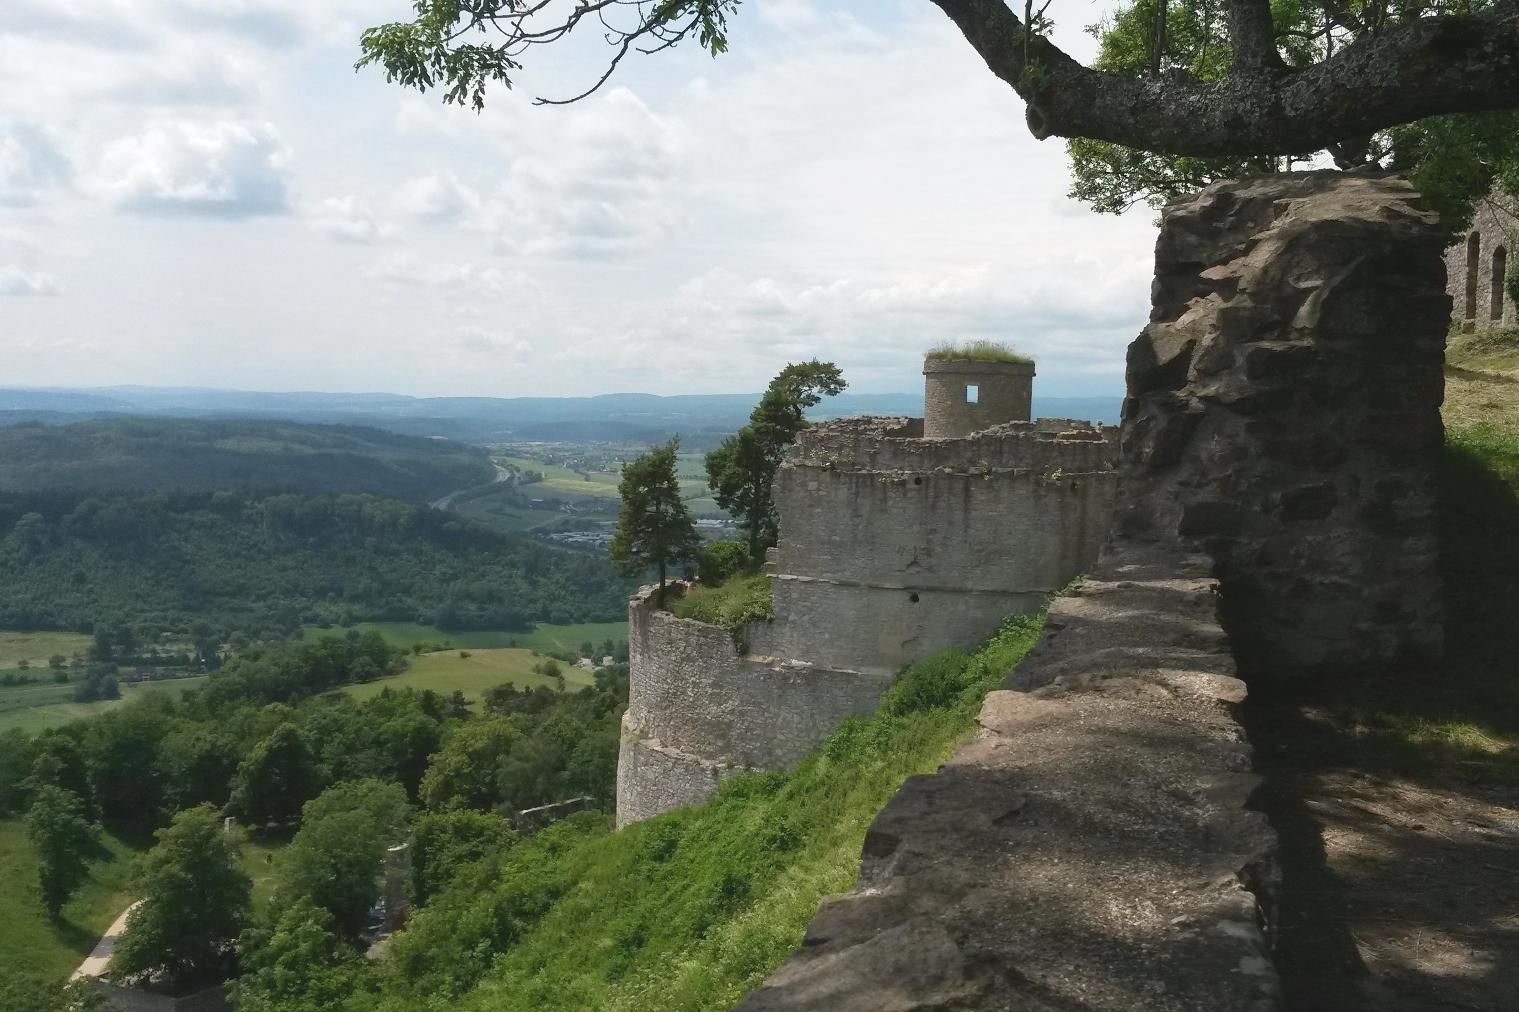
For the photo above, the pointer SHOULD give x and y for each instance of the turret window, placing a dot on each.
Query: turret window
(972, 393)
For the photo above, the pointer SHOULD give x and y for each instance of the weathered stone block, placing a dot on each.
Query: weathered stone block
(1312, 408)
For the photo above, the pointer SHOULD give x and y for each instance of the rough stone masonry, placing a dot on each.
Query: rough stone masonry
(1283, 414)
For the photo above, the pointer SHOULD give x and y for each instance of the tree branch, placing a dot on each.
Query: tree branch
(1424, 67)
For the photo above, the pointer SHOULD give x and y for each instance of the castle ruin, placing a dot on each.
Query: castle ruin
(900, 537)
(1478, 268)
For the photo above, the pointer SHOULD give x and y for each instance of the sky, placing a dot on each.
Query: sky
(205, 193)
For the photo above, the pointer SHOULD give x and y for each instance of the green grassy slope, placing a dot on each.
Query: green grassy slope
(689, 910)
(206, 455)
(28, 940)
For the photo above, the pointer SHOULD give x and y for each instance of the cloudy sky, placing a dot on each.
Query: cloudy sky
(203, 192)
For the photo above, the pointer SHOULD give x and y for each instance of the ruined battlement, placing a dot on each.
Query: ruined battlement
(893, 546)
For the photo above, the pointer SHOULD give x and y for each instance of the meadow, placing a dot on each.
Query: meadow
(448, 670)
(35, 708)
(36, 647)
(543, 637)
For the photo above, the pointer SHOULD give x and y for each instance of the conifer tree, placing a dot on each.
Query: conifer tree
(654, 527)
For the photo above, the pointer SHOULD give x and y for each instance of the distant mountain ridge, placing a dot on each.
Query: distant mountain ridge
(700, 419)
(127, 453)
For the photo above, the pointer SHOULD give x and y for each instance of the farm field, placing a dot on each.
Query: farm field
(445, 671)
(34, 708)
(543, 637)
(562, 482)
(36, 647)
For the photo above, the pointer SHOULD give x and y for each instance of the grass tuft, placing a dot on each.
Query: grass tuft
(975, 351)
(731, 605)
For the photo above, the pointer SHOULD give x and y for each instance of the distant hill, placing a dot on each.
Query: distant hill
(203, 455)
(702, 420)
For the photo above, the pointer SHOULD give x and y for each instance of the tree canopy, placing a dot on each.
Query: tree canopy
(1245, 81)
(195, 901)
(742, 470)
(654, 527)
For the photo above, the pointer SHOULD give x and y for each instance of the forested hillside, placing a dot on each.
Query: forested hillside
(265, 565)
(202, 455)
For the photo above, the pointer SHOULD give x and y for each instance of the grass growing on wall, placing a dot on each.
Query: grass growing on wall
(976, 351)
(731, 605)
(690, 910)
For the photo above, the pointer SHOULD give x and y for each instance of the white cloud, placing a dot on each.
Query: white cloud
(436, 197)
(218, 169)
(30, 163)
(411, 270)
(349, 219)
(15, 281)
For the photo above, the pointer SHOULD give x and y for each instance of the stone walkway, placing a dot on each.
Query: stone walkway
(99, 958)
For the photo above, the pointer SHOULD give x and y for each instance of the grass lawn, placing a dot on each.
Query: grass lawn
(34, 708)
(36, 647)
(28, 940)
(446, 671)
(543, 637)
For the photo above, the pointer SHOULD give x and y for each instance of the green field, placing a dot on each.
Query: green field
(34, 708)
(562, 483)
(27, 939)
(36, 647)
(543, 637)
(445, 671)
(494, 511)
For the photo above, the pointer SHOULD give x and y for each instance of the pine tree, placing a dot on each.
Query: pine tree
(654, 527)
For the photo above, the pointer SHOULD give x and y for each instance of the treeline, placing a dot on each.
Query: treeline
(155, 454)
(227, 562)
(267, 743)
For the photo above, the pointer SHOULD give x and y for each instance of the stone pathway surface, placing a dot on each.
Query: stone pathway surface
(99, 958)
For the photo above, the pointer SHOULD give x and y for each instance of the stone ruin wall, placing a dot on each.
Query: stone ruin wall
(698, 710)
(872, 516)
(1474, 263)
(895, 547)
(1097, 845)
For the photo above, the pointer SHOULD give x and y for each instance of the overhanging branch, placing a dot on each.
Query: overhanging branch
(1423, 67)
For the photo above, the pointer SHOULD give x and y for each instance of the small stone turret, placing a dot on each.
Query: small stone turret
(962, 396)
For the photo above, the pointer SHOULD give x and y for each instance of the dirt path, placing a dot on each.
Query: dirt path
(99, 958)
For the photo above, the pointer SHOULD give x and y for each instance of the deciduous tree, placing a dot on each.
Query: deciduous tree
(64, 840)
(1388, 65)
(195, 901)
(335, 860)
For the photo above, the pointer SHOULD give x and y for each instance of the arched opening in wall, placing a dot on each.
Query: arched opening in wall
(1473, 255)
(1500, 277)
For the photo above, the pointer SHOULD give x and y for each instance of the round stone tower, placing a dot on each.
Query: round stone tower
(964, 395)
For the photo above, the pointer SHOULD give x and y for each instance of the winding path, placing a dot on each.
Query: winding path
(99, 959)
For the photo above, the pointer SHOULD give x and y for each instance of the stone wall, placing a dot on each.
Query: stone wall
(1092, 847)
(1283, 414)
(699, 710)
(1482, 256)
(893, 547)
(1004, 393)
